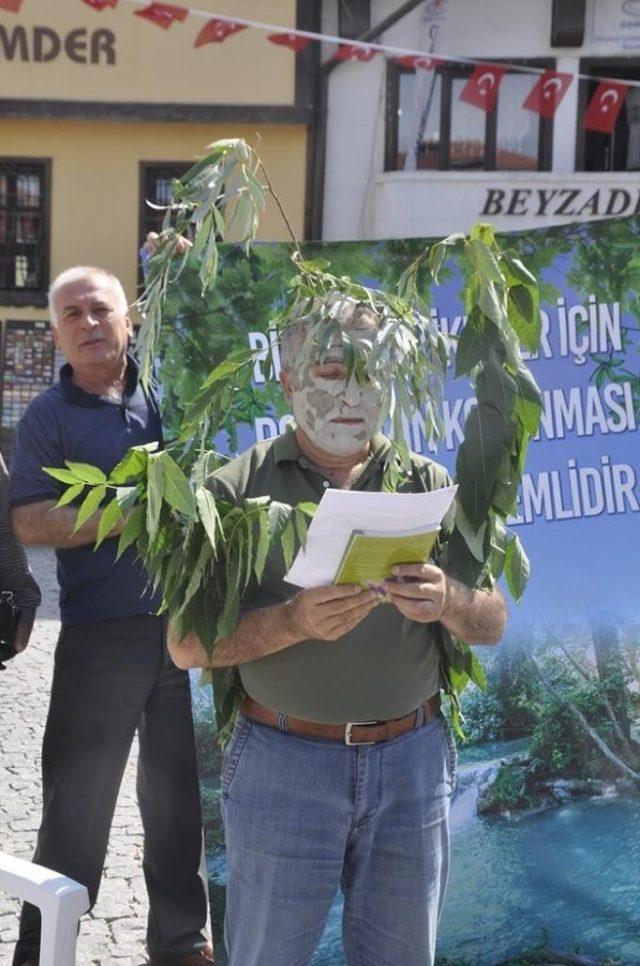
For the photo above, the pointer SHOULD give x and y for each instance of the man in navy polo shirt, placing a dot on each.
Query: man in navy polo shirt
(112, 671)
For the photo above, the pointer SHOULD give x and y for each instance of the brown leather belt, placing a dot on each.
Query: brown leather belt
(351, 733)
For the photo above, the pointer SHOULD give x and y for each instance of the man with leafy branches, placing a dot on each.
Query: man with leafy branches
(112, 672)
(340, 768)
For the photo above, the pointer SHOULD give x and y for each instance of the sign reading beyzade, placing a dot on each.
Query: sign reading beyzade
(581, 202)
(44, 44)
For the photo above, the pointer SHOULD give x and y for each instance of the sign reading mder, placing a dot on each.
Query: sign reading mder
(43, 44)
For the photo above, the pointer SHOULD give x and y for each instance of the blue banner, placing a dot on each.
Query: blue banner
(545, 818)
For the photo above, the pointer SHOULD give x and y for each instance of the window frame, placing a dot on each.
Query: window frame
(610, 66)
(143, 173)
(36, 298)
(448, 71)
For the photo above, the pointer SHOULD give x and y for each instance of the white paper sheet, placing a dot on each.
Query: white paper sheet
(341, 511)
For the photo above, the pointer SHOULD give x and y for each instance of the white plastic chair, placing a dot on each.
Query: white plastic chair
(61, 902)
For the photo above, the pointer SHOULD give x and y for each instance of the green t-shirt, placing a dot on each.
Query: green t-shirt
(382, 669)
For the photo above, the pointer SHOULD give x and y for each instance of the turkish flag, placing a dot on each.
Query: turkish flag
(414, 62)
(294, 41)
(481, 90)
(11, 5)
(547, 92)
(162, 14)
(354, 52)
(215, 31)
(604, 107)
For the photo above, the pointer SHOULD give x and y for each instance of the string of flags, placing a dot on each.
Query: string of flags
(480, 90)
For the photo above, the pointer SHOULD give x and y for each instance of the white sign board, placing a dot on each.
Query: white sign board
(615, 24)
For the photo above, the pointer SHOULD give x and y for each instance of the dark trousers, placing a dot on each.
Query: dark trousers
(111, 678)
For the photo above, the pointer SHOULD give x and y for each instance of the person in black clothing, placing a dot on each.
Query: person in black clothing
(17, 585)
(113, 674)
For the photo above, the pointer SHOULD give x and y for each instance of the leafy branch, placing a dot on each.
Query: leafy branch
(205, 552)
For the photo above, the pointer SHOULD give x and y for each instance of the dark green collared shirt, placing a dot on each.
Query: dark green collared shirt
(386, 666)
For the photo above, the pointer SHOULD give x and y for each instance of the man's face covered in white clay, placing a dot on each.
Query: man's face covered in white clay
(339, 417)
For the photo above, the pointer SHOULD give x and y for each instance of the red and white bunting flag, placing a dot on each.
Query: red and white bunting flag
(414, 62)
(604, 107)
(354, 52)
(294, 41)
(481, 90)
(215, 31)
(12, 5)
(162, 14)
(546, 94)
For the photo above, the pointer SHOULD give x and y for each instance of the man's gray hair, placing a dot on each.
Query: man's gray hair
(77, 274)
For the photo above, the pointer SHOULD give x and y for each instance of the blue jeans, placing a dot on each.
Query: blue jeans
(304, 818)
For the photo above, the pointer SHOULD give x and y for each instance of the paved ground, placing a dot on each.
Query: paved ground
(114, 932)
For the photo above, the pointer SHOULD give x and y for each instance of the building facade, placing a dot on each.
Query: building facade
(99, 110)
(406, 157)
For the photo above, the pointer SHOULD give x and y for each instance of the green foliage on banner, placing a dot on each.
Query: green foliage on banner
(205, 552)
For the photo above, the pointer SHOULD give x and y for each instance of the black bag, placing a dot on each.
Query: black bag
(9, 618)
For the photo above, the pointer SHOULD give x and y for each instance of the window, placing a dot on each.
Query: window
(24, 231)
(156, 186)
(620, 150)
(354, 18)
(429, 127)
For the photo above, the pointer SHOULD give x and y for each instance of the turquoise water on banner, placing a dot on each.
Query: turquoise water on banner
(568, 875)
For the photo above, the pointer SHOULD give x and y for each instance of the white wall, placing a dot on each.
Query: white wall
(362, 201)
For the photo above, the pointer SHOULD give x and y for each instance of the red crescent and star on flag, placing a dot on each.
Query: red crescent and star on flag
(215, 31)
(163, 14)
(546, 94)
(605, 106)
(481, 90)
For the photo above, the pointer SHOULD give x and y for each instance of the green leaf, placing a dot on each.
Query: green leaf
(516, 567)
(209, 515)
(89, 505)
(262, 548)
(70, 494)
(518, 270)
(478, 675)
(86, 473)
(155, 480)
(109, 518)
(308, 508)
(524, 314)
(484, 260)
(483, 231)
(64, 476)
(288, 543)
(279, 516)
(176, 492)
(131, 530)
(473, 538)
(197, 577)
(126, 497)
(477, 338)
(491, 304)
(479, 458)
(132, 465)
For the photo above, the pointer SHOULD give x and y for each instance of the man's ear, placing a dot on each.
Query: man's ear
(129, 325)
(55, 336)
(286, 382)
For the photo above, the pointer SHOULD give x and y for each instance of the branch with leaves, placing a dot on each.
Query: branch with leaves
(204, 552)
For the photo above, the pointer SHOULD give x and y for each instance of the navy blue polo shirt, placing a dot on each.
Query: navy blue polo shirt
(67, 423)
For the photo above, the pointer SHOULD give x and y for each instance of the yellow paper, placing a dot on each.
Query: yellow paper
(370, 557)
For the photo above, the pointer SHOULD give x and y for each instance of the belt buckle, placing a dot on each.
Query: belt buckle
(350, 725)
